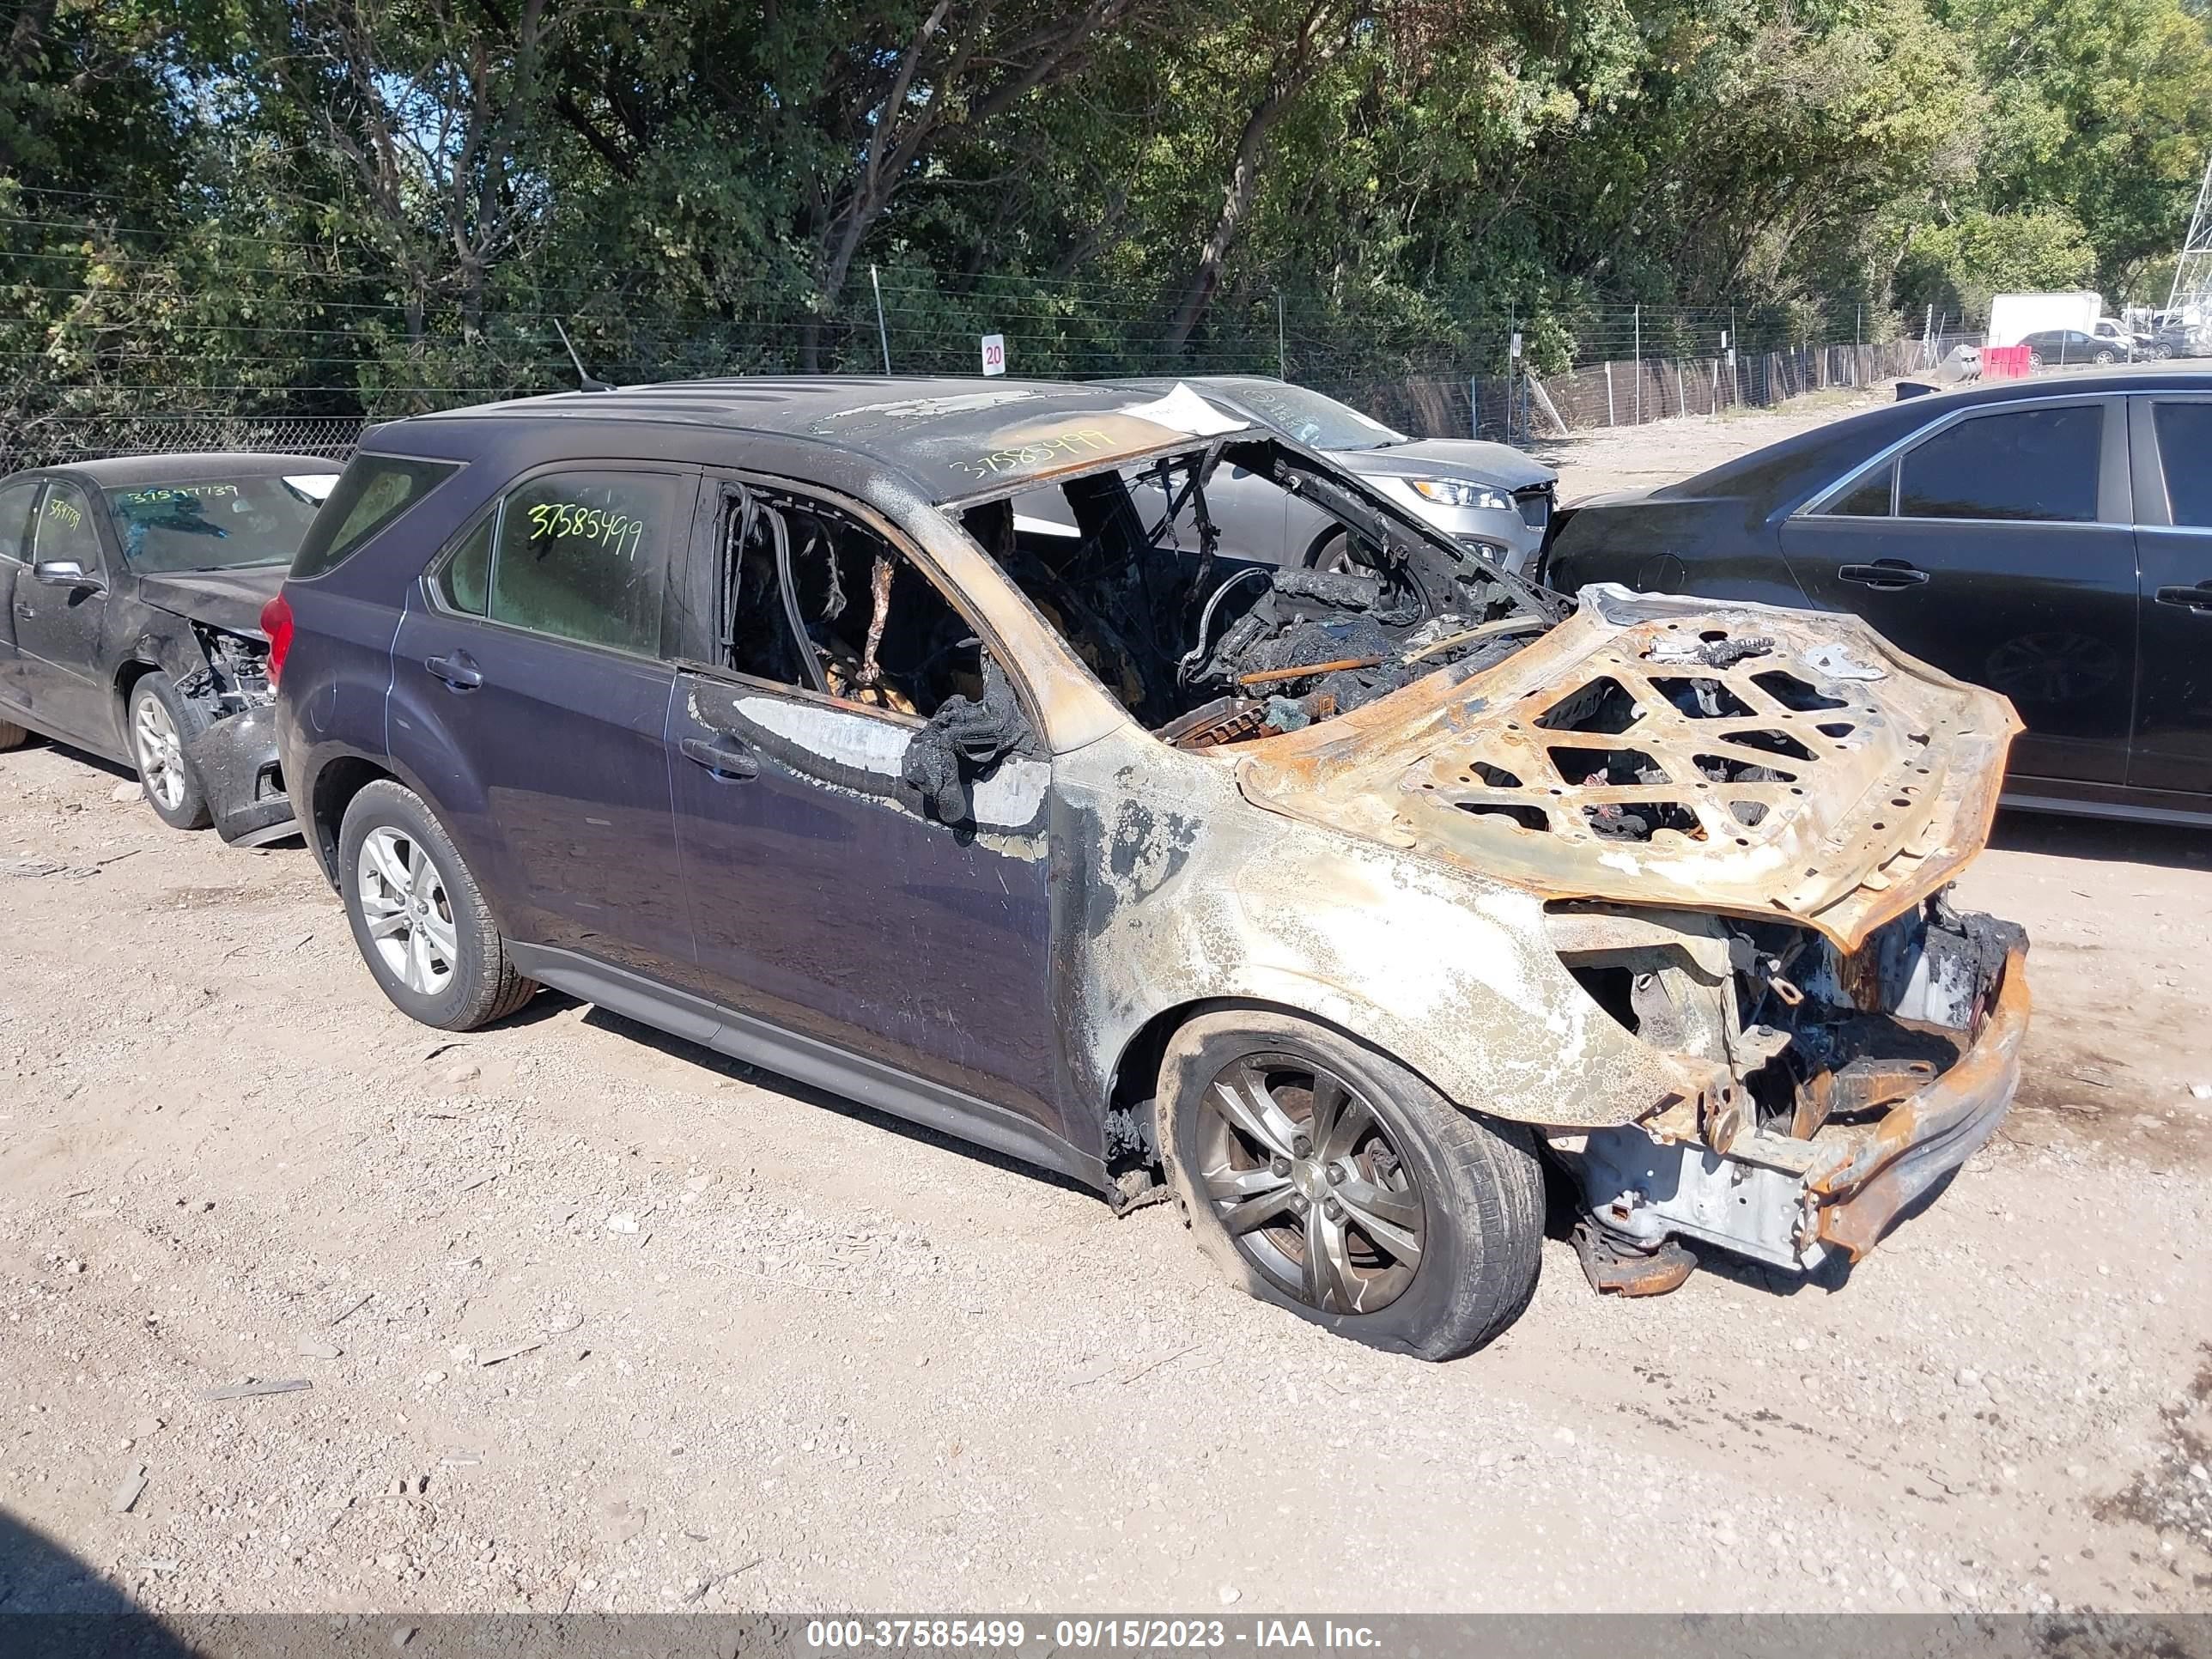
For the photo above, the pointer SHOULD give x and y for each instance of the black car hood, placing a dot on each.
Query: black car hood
(230, 599)
(1452, 458)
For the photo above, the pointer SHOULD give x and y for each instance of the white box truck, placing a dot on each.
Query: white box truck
(2014, 317)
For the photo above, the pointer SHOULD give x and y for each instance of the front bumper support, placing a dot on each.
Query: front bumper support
(1790, 1202)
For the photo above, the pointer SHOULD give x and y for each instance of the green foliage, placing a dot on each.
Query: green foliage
(1957, 267)
(350, 205)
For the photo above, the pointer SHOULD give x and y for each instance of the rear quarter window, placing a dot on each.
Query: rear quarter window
(372, 492)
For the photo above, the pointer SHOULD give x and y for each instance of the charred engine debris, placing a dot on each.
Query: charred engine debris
(236, 677)
(1207, 648)
(1810, 1048)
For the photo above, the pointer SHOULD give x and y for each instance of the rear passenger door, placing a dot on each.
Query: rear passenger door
(1997, 545)
(531, 675)
(2172, 437)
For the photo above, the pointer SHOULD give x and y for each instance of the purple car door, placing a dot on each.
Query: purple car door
(828, 898)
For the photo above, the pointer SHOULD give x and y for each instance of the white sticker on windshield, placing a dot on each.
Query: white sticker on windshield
(315, 486)
(1184, 410)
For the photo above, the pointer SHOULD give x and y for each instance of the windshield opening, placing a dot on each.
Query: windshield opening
(1316, 421)
(214, 524)
(1208, 640)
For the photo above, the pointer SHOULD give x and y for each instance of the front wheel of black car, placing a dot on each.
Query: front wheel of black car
(162, 724)
(1328, 1179)
(419, 917)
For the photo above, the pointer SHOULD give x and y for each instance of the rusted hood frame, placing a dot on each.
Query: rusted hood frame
(1903, 770)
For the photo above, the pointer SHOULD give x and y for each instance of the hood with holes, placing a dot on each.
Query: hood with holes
(1738, 759)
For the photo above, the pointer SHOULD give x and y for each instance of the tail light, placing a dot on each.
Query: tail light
(276, 623)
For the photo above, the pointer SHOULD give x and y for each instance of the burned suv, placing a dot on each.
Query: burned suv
(1328, 902)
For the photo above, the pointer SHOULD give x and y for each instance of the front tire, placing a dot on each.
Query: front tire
(13, 736)
(162, 723)
(1328, 1179)
(419, 918)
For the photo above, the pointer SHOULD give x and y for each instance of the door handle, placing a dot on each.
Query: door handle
(459, 670)
(25, 612)
(723, 756)
(2197, 598)
(1886, 574)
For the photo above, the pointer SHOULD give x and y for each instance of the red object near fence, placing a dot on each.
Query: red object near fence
(2004, 362)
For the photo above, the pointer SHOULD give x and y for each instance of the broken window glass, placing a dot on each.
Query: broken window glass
(812, 597)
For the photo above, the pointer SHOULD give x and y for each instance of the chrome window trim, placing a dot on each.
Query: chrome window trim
(1816, 506)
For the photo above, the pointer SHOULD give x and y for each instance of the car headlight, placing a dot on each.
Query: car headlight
(1457, 492)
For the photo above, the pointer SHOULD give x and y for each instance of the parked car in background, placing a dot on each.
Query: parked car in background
(2179, 339)
(132, 591)
(2125, 341)
(753, 710)
(2056, 348)
(2051, 542)
(1490, 497)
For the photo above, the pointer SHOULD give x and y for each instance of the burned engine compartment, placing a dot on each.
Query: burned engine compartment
(1813, 1078)
(1208, 647)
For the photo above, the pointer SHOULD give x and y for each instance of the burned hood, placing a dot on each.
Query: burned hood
(230, 599)
(1737, 758)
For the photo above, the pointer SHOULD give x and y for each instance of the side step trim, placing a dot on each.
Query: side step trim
(808, 1059)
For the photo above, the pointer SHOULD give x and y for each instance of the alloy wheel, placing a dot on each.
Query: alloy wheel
(409, 917)
(161, 757)
(1306, 1178)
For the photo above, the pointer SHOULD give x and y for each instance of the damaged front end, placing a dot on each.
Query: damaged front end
(1822, 1092)
(1743, 821)
(234, 750)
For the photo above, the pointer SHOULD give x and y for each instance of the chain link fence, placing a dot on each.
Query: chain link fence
(55, 440)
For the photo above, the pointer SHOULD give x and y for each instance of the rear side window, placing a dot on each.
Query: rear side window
(1867, 499)
(2037, 464)
(583, 556)
(2185, 450)
(373, 491)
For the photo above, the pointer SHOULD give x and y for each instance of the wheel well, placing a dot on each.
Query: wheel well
(336, 786)
(1137, 1071)
(1313, 549)
(126, 677)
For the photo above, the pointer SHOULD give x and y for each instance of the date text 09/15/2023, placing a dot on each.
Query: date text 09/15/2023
(1117, 1635)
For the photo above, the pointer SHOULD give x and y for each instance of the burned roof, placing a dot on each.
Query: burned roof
(120, 470)
(957, 440)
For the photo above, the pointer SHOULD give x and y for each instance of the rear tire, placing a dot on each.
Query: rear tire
(419, 918)
(1386, 1214)
(13, 736)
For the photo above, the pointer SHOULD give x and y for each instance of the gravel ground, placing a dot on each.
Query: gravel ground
(589, 1318)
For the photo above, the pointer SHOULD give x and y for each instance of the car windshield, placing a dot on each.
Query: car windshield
(215, 524)
(1316, 421)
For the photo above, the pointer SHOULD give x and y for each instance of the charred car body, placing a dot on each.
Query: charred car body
(133, 592)
(749, 710)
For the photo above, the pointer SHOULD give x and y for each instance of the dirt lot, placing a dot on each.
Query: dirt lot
(594, 1319)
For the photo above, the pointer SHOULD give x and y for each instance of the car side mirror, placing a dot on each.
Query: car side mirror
(66, 573)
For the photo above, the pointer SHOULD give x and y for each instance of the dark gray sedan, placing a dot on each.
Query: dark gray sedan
(131, 599)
